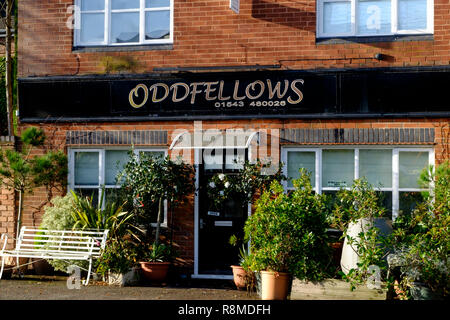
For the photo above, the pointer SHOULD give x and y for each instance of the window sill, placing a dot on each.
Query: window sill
(370, 39)
(141, 47)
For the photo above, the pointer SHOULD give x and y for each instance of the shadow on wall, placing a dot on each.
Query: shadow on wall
(294, 14)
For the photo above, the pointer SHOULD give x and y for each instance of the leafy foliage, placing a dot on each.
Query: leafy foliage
(57, 216)
(119, 256)
(148, 181)
(242, 186)
(22, 172)
(423, 239)
(156, 253)
(288, 231)
(360, 205)
(89, 216)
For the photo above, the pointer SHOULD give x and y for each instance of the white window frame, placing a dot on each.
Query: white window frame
(101, 159)
(107, 11)
(395, 189)
(354, 19)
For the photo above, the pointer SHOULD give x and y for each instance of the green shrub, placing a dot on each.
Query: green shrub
(288, 231)
(423, 239)
(58, 217)
(360, 204)
(119, 256)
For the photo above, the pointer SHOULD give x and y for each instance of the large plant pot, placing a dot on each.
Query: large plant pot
(274, 285)
(155, 271)
(349, 258)
(239, 277)
(124, 279)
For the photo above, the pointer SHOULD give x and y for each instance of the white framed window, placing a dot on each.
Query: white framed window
(123, 22)
(393, 171)
(92, 169)
(347, 18)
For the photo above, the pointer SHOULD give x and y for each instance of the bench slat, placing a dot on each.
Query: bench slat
(85, 242)
(64, 231)
(28, 237)
(45, 255)
(38, 247)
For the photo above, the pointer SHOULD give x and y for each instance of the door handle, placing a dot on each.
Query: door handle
(202, 224)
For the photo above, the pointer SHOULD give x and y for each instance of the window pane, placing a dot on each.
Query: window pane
(408, 201)
(412, 14)
(234, 159)
(411, 164)
(113, 195)
(86, 168)
(338, 168)
(297, 160)
(213, 160)
(374, 16)
(115, 160)
(92, 5)
(125, 27)
(89, 193)
(385, 201)
(157, 3)
(156, 154)
(336, 17)
(376, 167)
(157, 25)
(125, 4)
(92, 27)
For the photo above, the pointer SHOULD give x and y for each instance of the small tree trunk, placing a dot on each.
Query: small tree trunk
(19, 216)
(158, 222)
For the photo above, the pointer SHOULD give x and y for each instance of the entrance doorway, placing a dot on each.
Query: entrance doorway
(217, 225)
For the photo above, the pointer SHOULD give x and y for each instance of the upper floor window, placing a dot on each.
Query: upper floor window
(123, 22)
(349, 18)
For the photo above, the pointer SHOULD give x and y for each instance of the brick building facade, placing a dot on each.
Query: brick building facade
(206, 42)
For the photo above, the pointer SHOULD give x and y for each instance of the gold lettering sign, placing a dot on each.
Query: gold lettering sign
(134, 93)
(270, 94)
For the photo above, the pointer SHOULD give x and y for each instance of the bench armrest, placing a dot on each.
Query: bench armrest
(4, 238)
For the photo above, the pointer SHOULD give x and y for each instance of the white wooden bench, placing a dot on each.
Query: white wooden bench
(56, 244)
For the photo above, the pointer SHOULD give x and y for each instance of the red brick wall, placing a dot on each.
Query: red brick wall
(208, 33)
(184, 216)
(7, 206)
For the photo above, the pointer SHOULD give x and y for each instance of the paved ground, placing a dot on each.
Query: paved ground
(33, 287)
(55, 288)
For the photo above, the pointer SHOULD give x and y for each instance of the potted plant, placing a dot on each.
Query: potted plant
(288, 237)
(422, 242)
(118, 263)
(243, 187)
(366, 231)
(242, 274)
(155, 262)
(149, 182)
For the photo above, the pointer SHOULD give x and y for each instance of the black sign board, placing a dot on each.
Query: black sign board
(233, 95)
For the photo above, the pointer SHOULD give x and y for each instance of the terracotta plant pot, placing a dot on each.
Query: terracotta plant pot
(155, 271)
(274, 285)
(239, 276)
